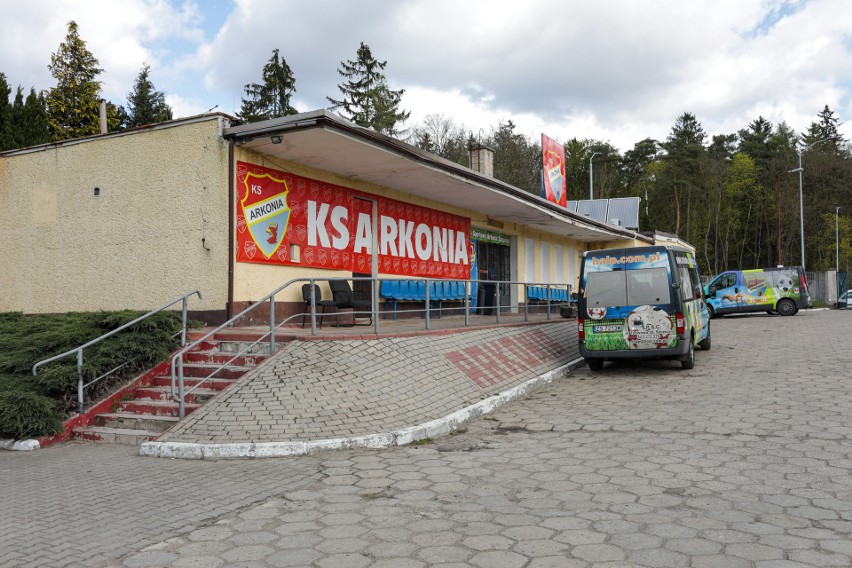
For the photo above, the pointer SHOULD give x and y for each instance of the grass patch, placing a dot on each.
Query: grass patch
(32, 406)
(421, 442)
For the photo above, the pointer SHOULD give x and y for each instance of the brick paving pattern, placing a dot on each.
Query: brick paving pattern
(744, 461)
(313, 390)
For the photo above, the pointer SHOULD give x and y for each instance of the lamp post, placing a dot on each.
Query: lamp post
(836, 239)
(799, 151)
(591, 173)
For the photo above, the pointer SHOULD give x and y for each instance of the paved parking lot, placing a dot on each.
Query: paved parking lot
(743, 461)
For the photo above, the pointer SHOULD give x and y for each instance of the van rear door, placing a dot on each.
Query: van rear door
(628, 301)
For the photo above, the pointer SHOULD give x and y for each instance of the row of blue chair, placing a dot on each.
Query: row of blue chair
(394, 291)
(539, 294)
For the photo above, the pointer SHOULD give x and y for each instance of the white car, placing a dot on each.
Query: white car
(844, 300)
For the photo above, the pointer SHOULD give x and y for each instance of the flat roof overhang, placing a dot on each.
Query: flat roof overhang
(325, 141)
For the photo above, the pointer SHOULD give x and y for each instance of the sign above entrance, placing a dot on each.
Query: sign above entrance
(484, 236)
(287, 219)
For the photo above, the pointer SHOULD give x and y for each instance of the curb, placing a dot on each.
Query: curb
(432, 429)
(19, 445)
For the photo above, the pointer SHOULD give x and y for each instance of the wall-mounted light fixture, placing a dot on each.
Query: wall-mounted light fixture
(277, 138)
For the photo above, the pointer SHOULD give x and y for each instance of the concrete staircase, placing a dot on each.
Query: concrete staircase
(145, 410)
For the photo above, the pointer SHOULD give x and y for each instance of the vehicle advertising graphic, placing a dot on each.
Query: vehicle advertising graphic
(625, 326)
(752, 288)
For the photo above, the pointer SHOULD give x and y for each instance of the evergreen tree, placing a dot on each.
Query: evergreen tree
(825, 130)
(73, 105)
(145, 104)
(6, 135)
(32, 127)
(367, 100)
(270, 99)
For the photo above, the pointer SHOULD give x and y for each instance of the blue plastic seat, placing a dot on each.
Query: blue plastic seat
(389, 290)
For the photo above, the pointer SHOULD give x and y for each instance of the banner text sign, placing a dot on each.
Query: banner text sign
(287, 219)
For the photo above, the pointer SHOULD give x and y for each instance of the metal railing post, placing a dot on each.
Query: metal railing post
(183, 321)
(426, 304)
(80, 381)
(313, 307)
(271, 325)
(468, 286)
(526, 302)
(548, 301)
(181, 401)
(375, 303)
(497, 300)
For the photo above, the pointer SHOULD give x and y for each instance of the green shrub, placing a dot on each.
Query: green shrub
(28, 415)
(27, 339)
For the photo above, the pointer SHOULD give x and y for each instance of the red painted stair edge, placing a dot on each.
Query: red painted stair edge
(88, 417)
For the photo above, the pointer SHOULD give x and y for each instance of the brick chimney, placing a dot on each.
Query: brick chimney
(481, 159)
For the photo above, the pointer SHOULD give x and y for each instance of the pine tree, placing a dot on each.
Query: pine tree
(825, 130)
(272, 98)
(6, 134)
(73, 105)
(145, 104)
(33, 127)
(367, 100)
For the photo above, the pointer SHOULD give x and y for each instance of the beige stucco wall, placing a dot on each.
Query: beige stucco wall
(138, 244)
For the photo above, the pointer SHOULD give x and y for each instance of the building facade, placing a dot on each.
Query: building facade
(136, 218)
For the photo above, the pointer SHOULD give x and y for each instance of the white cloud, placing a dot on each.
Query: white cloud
(615, 70)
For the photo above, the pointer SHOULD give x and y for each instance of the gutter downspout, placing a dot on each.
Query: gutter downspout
(229, 308)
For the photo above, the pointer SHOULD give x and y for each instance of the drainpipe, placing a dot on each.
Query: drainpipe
(229, 308)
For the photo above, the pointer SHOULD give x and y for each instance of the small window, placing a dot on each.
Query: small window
(606, 289)
(648, 286)
(686, 283)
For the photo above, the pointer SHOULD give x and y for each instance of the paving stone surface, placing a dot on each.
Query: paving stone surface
(316, 390)
(744, 461)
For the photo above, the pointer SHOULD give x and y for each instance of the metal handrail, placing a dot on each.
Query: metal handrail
(79, 350)
(179, 390)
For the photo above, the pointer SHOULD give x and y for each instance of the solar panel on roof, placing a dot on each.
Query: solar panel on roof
(593, 208)
(624, 210)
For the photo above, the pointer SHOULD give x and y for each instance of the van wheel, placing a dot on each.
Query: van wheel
(595, 364)
(704, 344)
(688, 361)
(712, 311)
(786, 307)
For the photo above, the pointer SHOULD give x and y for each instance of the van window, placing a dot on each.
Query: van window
(722, 282)
(687, 290)
(628, 287)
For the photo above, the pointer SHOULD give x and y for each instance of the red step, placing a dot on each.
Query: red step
(154, 407)
(213, 384)
(200, 394)
(150, 410)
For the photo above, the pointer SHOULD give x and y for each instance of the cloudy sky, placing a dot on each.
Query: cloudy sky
(612, 70)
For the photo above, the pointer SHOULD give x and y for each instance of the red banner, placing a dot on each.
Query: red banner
(553, 178)
(287, 219)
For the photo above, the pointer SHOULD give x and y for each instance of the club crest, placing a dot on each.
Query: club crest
(265, 211)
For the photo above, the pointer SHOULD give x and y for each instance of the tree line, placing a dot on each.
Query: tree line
(734, 196)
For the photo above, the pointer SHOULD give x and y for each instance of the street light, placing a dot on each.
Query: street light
(591, 170)
(837, 239)
(801, 205)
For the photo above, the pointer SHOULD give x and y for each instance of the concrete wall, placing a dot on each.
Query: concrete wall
(136, 245)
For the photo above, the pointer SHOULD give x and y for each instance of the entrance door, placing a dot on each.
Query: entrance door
(493, 261)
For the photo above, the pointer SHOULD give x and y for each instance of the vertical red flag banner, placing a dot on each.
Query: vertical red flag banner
(553, 176)
(287, 219)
